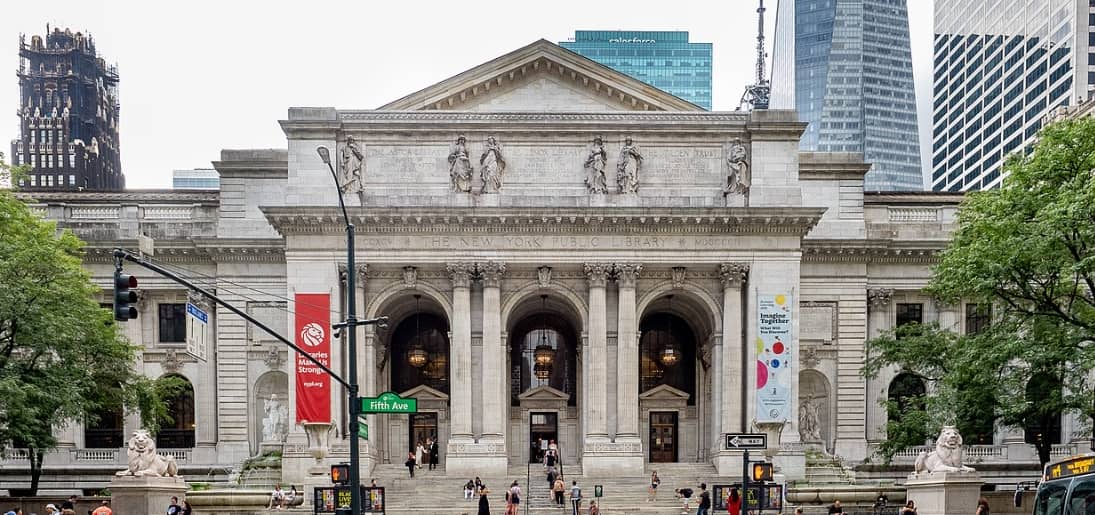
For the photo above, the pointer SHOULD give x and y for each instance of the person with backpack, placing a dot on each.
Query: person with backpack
(558, 489)
(576, 498)
(705, 501)
(685, 495)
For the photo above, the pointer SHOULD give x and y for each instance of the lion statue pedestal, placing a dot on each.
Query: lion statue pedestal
(149, 483)
(941, 484)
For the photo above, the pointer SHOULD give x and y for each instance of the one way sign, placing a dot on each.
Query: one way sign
(746, 441)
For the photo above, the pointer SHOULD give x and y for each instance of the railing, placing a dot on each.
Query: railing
(911, 452)
(180, 455)
(95, 455)
(985, 451)
(15, 454)
(914, 214)
(1062, 449)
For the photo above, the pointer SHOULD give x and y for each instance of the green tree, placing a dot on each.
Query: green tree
(1028, 250)
(62, 358)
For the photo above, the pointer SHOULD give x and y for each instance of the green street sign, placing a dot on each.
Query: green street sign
(363, 431)
(388, 402)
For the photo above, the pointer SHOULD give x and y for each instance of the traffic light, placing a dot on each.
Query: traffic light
(340, 474)
(762, 472)
(124, 296)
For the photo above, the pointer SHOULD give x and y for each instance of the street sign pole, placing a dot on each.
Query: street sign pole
(745, 479)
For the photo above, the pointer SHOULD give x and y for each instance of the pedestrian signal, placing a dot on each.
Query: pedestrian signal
(762, 472)
(340, 474)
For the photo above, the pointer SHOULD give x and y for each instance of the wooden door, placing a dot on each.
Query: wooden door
(663, 436)
(423, 427)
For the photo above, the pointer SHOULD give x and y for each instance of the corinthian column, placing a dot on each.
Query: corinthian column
(494, 391)
(627, 355)
(878, 320)
(460, 354)
(597, 354)
(733, 381)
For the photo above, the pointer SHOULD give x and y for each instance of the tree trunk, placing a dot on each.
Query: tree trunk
(36, 457)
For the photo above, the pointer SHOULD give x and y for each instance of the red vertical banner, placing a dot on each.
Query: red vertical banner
(313, 324)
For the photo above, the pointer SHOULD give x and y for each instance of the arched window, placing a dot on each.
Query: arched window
(542, 353)
(667, 354)
(179, 432)
(1043, 426)
(906, 393)
(420, 353)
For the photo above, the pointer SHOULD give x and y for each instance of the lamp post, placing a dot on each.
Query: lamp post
(350, 324)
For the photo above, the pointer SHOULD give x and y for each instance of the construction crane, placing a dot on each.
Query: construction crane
(758, 93)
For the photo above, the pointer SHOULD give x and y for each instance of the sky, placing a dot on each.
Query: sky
(201, 76)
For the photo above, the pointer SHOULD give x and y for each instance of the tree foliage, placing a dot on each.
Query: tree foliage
(1028, 250)
(62, 358)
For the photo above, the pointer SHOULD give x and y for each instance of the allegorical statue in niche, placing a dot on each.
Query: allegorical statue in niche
(809, 419)
(738, 178)
(492, 166)
(595, 167)
(273, 425)
(460, 165)
(351, 160)
(628, 168)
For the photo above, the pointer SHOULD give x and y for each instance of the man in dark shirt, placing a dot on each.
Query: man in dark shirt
(69, 505)
(836, 508)
(705, 501)
(686, 498)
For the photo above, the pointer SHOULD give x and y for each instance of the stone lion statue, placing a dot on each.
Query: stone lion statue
(947, 456)
(143, 459)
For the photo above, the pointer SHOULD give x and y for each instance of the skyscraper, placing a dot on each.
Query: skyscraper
(998, 73)
(846, 66)
(663, 59)
(68, 115)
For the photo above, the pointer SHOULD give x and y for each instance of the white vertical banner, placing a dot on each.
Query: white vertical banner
(775, 349)
(197, 331)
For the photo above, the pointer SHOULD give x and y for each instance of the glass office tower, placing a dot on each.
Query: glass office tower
(1000, 68)
(846, 66)
(663, 59)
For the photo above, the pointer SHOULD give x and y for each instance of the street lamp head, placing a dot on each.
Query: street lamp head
(324, 154)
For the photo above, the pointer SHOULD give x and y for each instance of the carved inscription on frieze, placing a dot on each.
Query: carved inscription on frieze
(538, 242)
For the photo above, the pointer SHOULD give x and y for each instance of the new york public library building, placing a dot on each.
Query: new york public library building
(564, 253)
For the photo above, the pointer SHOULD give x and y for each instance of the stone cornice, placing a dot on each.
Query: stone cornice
(327, 220)
(934, 198)
(832, 165)
(872, 251)
(198, 251)
(130, 196)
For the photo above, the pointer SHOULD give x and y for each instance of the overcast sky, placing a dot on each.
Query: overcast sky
(199, 76)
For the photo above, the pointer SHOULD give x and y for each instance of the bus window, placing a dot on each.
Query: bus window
(1082, 499)
(1051, 499)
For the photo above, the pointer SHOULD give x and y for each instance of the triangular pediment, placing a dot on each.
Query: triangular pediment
(541, 77)
(425, 393)
(663, 392)
(544, 393)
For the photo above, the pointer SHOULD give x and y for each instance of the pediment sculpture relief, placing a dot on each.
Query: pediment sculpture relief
(738, 176)
(628, 168)
(596, 159)
(492, 166)
(460, 166)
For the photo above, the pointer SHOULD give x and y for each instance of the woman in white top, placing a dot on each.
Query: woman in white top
(418, 454)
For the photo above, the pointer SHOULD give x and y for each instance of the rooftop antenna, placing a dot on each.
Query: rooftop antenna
(758, 93)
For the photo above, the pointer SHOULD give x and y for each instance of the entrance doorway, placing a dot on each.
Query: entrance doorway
(543, 429)
(663, 436)
(423, 427)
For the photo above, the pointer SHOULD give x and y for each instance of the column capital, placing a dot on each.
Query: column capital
(627, 274)
(597, 273)
(461, 274)
(342, 274)
(491, 273)
(362, 272)
(733, 275)
(879, 297)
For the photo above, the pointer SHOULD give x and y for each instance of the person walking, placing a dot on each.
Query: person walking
(103, 509)
(469, 487)
(484, 503)
(419, 451)
(411, 462)
(514, 498)
(558, 489)
(705, 501)
(593, 509)
(186, 508)
(733, 502)
(174, 508)
(435, 455)
(576, 497)
(983, 506)
(652, 492)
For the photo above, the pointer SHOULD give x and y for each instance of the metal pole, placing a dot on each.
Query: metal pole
(745, 481)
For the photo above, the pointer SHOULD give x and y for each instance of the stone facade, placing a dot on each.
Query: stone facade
(608, 284)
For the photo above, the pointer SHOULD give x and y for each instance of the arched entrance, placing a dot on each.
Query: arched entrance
(544, 380)
(906, 393)
(673, 384)
(418, 363)
(179, 432)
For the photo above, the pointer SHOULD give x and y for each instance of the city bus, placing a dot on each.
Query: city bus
(1067, 487)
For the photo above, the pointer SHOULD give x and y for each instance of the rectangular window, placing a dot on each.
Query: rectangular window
(978, 317)
(172, 323)
(910, 313)
(71, 180)
(33, 180)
